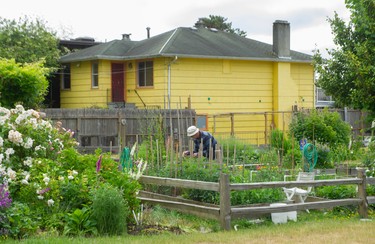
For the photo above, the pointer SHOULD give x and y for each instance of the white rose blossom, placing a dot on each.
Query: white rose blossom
(2, 167)
(15, 137)
(19, 108)
(26, 174)
(28, 162)
(29, 143)
(11, 174)
(9, 152)
(40, 197)
(35, 114)
(46, 180)
(24, 181)
(4, 113)
(1, 141)
(50, 202)
(39, 147)
(34, 123)
(70, 177)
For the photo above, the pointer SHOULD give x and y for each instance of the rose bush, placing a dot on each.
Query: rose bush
(40, 167)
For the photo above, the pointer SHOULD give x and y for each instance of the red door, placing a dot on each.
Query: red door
(118, 82)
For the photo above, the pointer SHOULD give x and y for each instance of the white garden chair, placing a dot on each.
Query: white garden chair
(297, 192)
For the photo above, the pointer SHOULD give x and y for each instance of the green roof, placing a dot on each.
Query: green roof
(185, 42)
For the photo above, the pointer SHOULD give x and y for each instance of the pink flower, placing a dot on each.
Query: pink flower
(98, 164)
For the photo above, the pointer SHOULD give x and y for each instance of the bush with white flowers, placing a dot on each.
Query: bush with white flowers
(41, 169)
(25, 138)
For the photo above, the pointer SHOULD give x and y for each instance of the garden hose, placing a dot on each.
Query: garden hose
(311, 156)
(125, 159)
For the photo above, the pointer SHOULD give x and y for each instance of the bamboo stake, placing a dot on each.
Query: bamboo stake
(152, 153)
(234, 156)
(180, 125)
(210, 154)
(157, 155)
(227, 154)
(200, 153)
(293, 152)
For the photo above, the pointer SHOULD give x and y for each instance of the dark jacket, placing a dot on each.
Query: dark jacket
(205, 137)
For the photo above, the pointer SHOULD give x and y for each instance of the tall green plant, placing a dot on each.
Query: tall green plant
(109, 210)
(280, 141)
(152, 146)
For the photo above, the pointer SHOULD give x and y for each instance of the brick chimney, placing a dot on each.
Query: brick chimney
(281, 38)
(126, 36)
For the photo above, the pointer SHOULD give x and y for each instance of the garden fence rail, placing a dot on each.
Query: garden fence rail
(224, 212)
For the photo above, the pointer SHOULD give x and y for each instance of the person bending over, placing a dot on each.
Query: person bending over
(199, 136)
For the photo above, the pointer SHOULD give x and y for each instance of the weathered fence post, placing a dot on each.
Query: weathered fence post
(224, 201)
(218, 156)
(362, 209)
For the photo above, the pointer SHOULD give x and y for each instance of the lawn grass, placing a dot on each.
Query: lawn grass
(316, 227)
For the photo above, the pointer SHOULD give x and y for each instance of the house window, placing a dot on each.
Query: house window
(145, 74)
(65, 77)
(201, 120)
(95, 74)
(321, 96)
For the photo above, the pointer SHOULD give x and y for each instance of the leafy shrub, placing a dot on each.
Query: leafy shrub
(269, 157)
(257, 196)
(325, 159)
(20, 221)
(280, 141)
(236, 151)
(25, 83)
(293, 158)
(323, 127)
(368, 159)
(200, 172)
(336, 192)
(42, 170)
(79, 223)
(109, 210)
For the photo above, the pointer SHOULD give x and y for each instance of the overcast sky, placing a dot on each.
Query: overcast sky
(108, 20)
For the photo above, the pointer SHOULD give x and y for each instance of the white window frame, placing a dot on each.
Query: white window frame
(95, 74)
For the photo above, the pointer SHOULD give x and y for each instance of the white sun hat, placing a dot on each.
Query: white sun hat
(192, 130)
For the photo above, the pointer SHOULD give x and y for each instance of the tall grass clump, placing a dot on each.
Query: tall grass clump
(109, 210)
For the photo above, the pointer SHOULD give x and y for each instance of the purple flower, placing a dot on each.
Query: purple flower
(41, 192)
(5, 200)
(98, 164)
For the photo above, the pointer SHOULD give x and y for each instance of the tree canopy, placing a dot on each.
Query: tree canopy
(220, 23)
(348, 75)
(28, 41)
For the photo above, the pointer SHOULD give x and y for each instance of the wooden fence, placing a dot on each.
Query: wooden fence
(255, 127)
(224, 212)
(113, 129)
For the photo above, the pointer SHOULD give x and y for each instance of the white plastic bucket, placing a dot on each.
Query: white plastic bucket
(292, 215)
(283, 217)
(279, 218)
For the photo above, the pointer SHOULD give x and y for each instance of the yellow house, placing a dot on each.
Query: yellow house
(211, 71)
